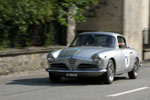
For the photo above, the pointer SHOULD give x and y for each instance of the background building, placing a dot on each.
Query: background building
(127, 17)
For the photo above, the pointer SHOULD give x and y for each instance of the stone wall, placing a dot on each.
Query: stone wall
(18, 60)
(22, 63)
(108, 16)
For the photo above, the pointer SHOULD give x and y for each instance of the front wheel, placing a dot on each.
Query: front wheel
(108, 77)
(134, 73)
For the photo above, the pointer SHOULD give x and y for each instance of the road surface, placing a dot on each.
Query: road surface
(38, 87)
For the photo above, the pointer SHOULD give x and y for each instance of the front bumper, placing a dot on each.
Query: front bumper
(76, 73)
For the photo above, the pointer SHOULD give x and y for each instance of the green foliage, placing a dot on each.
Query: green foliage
(29, 22)
(73, 8)
(22, 20)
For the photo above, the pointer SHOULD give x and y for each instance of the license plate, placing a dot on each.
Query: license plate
(72, 75)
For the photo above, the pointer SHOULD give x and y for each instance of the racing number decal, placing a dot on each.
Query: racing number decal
(127, 58)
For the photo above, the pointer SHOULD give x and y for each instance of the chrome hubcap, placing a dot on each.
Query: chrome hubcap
(136, 70)
(111, 72)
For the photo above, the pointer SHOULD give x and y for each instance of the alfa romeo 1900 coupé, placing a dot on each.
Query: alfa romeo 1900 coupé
(94, 54)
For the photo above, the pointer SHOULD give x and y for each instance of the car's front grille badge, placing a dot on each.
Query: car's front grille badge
(72, 61)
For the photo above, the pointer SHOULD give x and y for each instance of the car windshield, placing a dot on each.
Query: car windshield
(94, 40)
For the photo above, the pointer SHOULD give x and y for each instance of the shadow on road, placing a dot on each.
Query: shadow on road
(64, 81)
(146, 63)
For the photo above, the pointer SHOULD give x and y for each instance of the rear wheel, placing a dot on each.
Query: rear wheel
(54, 78)
(108, 77)
(134, 73)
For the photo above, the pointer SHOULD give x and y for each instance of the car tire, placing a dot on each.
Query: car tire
(134, 73)
(54, 78)
(108, 77)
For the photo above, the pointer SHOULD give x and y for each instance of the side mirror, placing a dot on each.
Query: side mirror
(122, 45)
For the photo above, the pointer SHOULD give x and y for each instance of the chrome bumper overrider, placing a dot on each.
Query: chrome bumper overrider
(140, 65)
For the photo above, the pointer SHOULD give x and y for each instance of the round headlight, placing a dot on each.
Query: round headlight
(96, 58)
(50, 58)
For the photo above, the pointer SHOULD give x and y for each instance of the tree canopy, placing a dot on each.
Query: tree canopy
(30, 22)
(78, 8)
(18, 18)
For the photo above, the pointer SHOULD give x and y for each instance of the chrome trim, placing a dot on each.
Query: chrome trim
(76, 71)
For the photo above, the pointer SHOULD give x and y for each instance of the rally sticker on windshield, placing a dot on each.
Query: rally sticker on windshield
(127, 58)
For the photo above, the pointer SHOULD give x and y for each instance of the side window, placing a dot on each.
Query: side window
(121, 42)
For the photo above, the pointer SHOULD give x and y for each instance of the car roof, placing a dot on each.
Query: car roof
(102, 33)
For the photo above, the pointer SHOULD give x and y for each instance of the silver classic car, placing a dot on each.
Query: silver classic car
(94, 54)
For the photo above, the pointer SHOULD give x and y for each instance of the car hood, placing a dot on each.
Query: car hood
(83, 52)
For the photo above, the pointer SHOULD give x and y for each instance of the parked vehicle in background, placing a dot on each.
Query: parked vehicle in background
(94, 54)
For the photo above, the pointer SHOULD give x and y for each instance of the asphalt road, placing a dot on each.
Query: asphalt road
(38, 87)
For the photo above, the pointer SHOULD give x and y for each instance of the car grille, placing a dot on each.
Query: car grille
(72, 61)
(87, 66)
(59, 66)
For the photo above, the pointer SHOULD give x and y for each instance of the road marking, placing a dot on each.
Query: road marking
(126, 92)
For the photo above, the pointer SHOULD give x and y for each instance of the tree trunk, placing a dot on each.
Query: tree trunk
(71, 30)
(71, 25)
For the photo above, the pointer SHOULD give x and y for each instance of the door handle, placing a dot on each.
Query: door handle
(131, 52)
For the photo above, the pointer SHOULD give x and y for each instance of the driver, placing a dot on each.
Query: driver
(110, 41)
